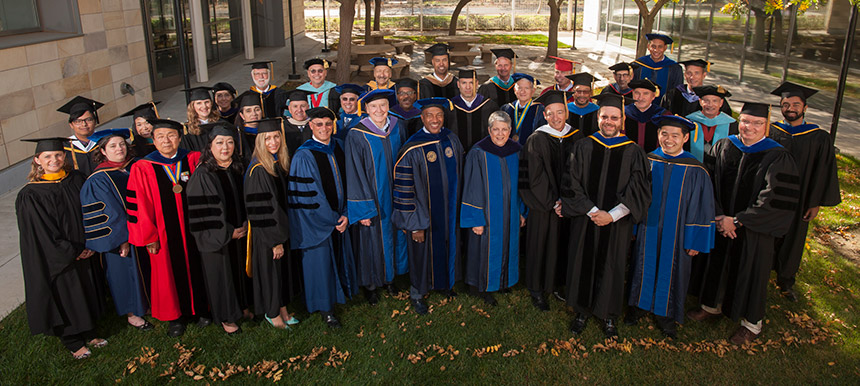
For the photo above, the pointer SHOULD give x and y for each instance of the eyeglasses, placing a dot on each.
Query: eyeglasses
(348, 99)
(79, 122)
(746, 122)
(316, 71)
(409, 93)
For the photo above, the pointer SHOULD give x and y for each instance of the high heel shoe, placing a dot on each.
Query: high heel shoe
(286, 327)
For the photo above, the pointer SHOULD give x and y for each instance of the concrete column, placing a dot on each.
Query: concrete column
(247, 29)
(199, 41)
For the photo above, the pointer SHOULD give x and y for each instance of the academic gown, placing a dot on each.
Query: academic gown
(814, 155)
(273, 102)
(296, 133)
(430, 87)
(426, 197)
(215, 209)
(680, 101)
(666, 73)
(758, 185)
(639, 127)
(411, 118)
(345, 123)
(370, 156)
(275, 282)
(499, 91)
(602, 172)
(317, 200)
(142, 146)
(524, 120)
(80, 160)
(583, 118)
(614, 88)
(322, 96)
(372, 85)
(230, 115)
(469, 124)
(708, 131)
(567, 93)
(157, 213)
(542, 166)
(61, 293)
(491, 200)
(103, 197)
(199, 142)
(680, 218)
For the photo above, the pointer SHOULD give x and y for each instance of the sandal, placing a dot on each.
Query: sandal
(292, 320)
(286, 327)
(85, 355)
(97, 343)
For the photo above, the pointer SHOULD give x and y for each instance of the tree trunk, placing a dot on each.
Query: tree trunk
(377, 8)
(647, 26)
(367, 21)
(452, 27)
(778, 31)
(347, 18)
(759, 33)
(554, 18)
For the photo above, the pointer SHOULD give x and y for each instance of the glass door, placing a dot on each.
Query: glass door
(161, 31)
(223, 27)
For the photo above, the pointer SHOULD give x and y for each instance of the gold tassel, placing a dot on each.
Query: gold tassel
(155, 109)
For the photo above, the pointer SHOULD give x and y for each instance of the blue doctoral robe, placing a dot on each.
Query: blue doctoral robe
(426, 197)
(680, 218)
(721, 126)
(491, 200)
(345, 122)
(370, 155)
(106, 228)
(317, 200)
(666, 73)
(524, 121)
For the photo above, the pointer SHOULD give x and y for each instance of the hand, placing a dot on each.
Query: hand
(478, 230)
(342, 222)
(810, 214)
(239, 233)
(153, 247)
(718, 220)
(85, 254)
(522, 221)
(365, 222)
(727, 227)
(601, 218)
(557, 208)
(278, 252)
(124, 249)
(692, 252)
(418, 236)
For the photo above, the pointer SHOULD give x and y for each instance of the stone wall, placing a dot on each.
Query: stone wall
(298, 18)
(37, 79)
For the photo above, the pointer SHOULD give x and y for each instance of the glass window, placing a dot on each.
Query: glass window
(18, 16)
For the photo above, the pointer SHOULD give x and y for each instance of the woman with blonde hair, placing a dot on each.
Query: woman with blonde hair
(61, 294)
(201, 110)
(275, 281)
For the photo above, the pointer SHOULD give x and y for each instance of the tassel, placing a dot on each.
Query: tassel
(155, 110)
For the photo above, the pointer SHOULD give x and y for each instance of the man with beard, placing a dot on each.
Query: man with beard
(605, 191)
(812, 149)
(583, 113)
(623, 74)
(272, 99)
(406, 90)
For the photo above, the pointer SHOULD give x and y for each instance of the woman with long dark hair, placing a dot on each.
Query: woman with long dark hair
(61, 294)
(103, 197)
(216, 215)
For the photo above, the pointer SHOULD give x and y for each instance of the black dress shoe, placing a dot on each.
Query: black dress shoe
(489, 299)
(420, 306)
(540, 303)
(789, 294)
(331, 321)
(175, 329)
(450, 293)
(633, 316)
(392, 290)
(371, 296)
(505, 290)
(577, 326)
(203, 322)
(146, 326)
(667, 326)
(610, 331)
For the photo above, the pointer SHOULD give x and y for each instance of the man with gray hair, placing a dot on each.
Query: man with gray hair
(272, 99)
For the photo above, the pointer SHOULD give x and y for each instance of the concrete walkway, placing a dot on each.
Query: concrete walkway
(593, 55)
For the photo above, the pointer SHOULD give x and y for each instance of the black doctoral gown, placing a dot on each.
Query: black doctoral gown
(495, 90)
(542, 165)
(758, 185)
(273, 102)
(275, 282)
(639, 127)
(470, 123)
(61, 293)
(430, 87)
(813, 152)
(142, 146)
(80, 160)
(602, 173)
(296, 133)
(583, 118)
(215, 210)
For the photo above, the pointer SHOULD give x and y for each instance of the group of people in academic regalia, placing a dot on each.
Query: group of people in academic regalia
(638, 196)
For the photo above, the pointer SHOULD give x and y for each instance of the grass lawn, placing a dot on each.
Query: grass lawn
(538, 40)
(463, 341)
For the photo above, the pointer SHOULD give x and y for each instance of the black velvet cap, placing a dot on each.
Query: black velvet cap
(788, 89)
(48, 144)
(320, 112)
(552, 96)
(146, 110)
(582, 79)
(199, 93)
(78, 106)
(269, 124)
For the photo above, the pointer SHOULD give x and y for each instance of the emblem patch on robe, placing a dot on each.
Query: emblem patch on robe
(431, 156)
(449, 152)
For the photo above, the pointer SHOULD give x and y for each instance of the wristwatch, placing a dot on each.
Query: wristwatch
(736, 222)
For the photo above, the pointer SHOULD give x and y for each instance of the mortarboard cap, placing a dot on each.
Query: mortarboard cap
(406, 82)
(662, 37)
(146, 110)
(260, 65)
(698, 63)
(199, 93)
(610, 100)
(518, 76)
(165, 124)
(380, 93)
(48, 144)
(712, 90)
(675, 121)
(249, 98)
(788, 89)
(78, 106)
(756, 109)
(467, 74)
(442, 103)
(581, 79)
(379, 61)
(562, 64)
(623, 66)
(320, 112)
(269, 125)
(349, 88)
(504, 53)
(219, 128)
(224, 86)
(438, 49)
(298, 95)
(101, 134)
(646, 84)
(552, 96)
(315, 61)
